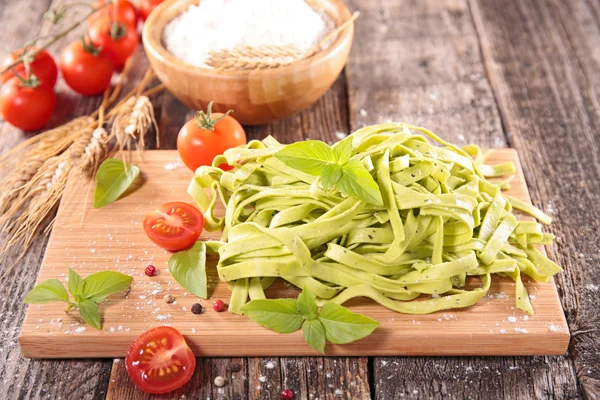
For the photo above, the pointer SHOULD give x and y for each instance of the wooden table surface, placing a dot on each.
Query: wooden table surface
(499, 73)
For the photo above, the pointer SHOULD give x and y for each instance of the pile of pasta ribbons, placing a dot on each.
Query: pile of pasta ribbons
(442, 221)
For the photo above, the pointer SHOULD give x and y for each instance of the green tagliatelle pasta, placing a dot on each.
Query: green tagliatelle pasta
(441, 222)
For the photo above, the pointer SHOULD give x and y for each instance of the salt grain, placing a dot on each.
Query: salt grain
(521, 330)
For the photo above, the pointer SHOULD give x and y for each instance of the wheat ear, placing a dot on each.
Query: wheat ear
(267, 57)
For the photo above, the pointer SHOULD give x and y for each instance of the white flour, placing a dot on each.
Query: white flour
(227, 24)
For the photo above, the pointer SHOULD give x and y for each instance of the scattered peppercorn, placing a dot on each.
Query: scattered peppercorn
(220, 381)
(150, 270)
(287, 394)
(197, 308)
(218, 305)
(169, 298)
(235, 367)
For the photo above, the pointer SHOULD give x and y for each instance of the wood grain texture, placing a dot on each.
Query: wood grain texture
(543, 66)
(25, 378)
(113, 236)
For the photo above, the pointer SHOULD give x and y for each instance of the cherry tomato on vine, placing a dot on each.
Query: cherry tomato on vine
(26, 105)
(85, 69)
(206, 136)
(174, 226)
(42, 66)
(117, 40)
(120, 11)
(146, 7)
(160, 361)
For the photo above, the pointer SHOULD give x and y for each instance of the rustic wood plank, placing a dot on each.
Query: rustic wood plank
(200, 385)
(420, 61)
(543, 66)
(24, 378)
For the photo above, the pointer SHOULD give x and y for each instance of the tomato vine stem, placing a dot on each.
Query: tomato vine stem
(29, 52)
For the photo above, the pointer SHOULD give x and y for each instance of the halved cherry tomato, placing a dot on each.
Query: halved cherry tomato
(160, 361)
(146, 7)
(42, 66)
(120, 11)
(26, 107)
(117, 40)
(203, 138)
(174, 226)
(85, 69)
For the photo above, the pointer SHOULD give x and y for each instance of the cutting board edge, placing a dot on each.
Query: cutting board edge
(554, 343)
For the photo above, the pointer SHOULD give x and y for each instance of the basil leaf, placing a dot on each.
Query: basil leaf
(310, 156)
(112, 180)
(357, 182)
(47, 291)
(188, 268)
(343, 150)
(343, 326)
(331, 175)
(75, 283)
(314, 334)
(280, 315)
(89, 311)
(307, 306)
(99, 286)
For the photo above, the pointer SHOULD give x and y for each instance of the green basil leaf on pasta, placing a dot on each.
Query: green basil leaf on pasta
(309, 156)
(357, 182)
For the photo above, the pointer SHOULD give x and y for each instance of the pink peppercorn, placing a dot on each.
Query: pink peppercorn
(150, 270)
(218, 305)
(287, 394)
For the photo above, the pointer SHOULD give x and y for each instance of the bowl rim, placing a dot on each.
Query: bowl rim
(159, 51)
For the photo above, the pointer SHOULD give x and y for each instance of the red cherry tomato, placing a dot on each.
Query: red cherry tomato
(201, 139)
(27, 108)
(146, 7)
(42, 66)
(120, 11)
(174, 226)
(160, 361)
(85, 69)
(117, 40)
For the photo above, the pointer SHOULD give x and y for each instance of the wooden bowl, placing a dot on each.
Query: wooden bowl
(256, 96)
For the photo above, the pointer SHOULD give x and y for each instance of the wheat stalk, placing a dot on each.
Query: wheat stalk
(95, 151)
(48, 189)
(247, 58)
(255, 57)
(132, 122)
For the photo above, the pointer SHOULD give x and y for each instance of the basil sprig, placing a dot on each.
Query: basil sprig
(113, 178)
(87, 293)
(334, 166)
(334, 323)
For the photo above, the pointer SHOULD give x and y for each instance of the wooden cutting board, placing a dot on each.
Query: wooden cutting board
(112, 237)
